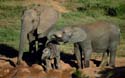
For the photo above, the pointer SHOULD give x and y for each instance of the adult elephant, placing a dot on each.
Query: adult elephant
(100, 36)
(36, 22)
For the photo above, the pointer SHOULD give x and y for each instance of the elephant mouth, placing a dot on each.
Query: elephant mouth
(65, 42)
(62, 40)
(58, 38)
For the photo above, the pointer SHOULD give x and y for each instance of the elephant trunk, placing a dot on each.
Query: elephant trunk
(23, 36)
(55, 35)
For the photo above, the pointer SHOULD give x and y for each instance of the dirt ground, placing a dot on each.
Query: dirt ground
(8, 69)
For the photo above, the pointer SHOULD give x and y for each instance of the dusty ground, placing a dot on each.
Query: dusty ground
(9, 70)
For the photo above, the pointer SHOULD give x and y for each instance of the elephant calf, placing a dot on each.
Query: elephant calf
(100, 36)
(51, 55)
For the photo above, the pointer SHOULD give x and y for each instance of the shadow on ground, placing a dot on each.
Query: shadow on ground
(118, 72)
(69, 59)
(34, 58)
(8, 51)
(96, 62)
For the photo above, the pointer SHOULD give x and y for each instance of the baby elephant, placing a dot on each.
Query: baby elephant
(51, 55)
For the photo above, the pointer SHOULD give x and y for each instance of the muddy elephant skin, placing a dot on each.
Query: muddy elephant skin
(36, 22)
(101, 36)
(51, 55)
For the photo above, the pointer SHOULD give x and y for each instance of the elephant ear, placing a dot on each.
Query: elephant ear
(48, 17)
(77, 35)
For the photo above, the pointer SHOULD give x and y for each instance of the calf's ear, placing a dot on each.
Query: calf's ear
(77, 35)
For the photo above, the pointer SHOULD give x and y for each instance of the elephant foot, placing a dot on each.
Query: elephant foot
(80, 67)
(86, 65)
(58, 67)
(21, 63)
(103, 63)
(48, 69)
(113, 66)
(18, 63)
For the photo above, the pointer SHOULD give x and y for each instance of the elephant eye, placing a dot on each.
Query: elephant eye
(33, 21)
(63, 32)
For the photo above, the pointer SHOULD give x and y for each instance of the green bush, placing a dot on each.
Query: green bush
(79, 74)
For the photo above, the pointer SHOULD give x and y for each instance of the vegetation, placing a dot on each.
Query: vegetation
(78, 74)
(81, 11)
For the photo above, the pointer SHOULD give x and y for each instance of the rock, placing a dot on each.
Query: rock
(65, 66)
(67, 73)
(90, 72)
(37, 67)
(22, 72)
(54, 74)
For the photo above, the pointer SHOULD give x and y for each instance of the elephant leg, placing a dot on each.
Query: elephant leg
(32, 47)
(78, 55)
(105, 58)
(57, 57)
(48, 64)
(87, 54)
(112, 51)
(41, 46)
(23, 38)
(58, 62)
(41, 42)
(32, 42)
(112, 58)
(87, 48)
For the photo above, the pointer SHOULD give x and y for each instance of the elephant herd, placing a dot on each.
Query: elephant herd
(37, 22)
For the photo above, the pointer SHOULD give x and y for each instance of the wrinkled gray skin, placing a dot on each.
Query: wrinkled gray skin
(51, 53)
(36, 20)
(100, 36)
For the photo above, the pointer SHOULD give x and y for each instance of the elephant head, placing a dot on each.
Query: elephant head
(45, 54)
(30, 20)
(70, 34)
(41, 18)
(38, 20)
